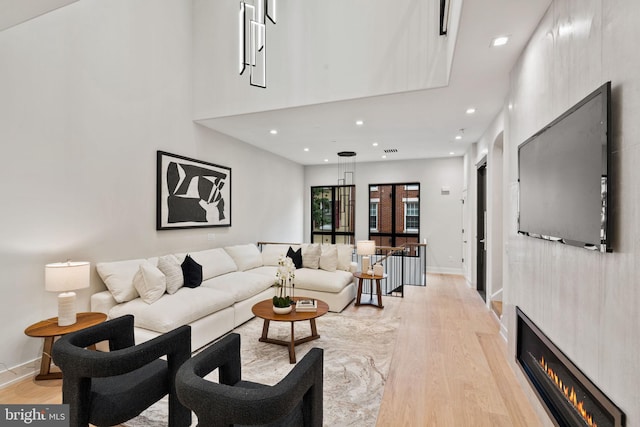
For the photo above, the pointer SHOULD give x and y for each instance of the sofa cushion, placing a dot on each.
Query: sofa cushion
(311, 256)
(266, 270)
(245, 257)
(321, 280)
(214, 262)
(172, 270)
(329, 258)
(118, 276)
(241, 285)
(170, 311)
(150, 282)
(345, 254)
(271, 253)
(192, 272)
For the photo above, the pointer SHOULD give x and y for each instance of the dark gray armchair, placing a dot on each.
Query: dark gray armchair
(294, 401)
(109, 388)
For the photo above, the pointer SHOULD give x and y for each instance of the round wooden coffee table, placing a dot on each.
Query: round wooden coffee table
(264, 310)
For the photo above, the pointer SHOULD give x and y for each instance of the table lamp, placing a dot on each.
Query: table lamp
(366, 248)
(65, 277)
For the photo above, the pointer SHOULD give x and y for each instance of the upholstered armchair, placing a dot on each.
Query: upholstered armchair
(295, 401)
(109, 388)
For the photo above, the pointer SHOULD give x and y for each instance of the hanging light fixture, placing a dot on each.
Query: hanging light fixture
(252, 39)
(345, 208)
(346, 167)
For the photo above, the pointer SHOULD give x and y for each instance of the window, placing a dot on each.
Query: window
(411, 215)
(333, 214)
(394, 214)
(373, 215)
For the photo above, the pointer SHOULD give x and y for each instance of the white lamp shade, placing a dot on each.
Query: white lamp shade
(66, 276)
(366, 247)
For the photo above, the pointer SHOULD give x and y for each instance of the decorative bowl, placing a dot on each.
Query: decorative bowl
(282, 310)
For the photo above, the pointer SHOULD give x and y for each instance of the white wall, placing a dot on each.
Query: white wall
(586, 302)
(89, 93)
(440, 215)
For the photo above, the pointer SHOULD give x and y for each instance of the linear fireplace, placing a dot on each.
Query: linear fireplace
(569, 397)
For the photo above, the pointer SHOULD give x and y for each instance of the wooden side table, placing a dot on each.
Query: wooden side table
(361, 278)
(49, 329)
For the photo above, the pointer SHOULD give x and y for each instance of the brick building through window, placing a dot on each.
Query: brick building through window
(394, 214)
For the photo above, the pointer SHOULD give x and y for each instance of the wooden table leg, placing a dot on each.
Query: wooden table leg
(314, 331)
(360, 280)
(265, 330)
(379, 290)
(292, 346)
(45, 364)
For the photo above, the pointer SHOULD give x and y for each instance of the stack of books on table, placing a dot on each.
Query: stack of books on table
(306, 305)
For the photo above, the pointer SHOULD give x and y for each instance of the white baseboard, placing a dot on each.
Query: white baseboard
(503, 332)
(18, 373)
(444, 270)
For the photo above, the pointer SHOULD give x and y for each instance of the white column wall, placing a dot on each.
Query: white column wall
(586, 302)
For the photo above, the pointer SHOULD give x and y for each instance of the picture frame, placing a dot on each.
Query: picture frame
(191, 193)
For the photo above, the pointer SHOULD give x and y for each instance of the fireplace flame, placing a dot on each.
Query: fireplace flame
(570, 394)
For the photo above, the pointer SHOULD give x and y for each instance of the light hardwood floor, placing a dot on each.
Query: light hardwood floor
(449, 367)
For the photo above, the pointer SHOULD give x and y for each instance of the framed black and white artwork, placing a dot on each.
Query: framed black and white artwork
(192, 193)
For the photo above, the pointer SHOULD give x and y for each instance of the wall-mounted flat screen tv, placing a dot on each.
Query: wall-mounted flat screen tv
(563, 187)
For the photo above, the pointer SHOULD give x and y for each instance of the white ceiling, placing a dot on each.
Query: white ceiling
(419, 124)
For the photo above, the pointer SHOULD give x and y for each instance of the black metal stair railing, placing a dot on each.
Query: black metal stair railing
(403, 265)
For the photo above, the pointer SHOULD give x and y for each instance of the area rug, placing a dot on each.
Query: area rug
(358, 345)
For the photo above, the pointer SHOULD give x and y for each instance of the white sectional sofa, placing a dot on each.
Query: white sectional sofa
(234, 278)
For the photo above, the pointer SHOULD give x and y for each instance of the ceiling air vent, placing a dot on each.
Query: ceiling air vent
(391, 150)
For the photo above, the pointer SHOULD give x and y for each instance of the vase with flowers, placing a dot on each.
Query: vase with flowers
(283, 300)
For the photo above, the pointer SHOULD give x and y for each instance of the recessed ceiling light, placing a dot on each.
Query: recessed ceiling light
(326, 160)
(273, 131)
(458, 137)
(499, 41)
(359, 122)
(306, 149)
(375, 144)
(471, 110)
(451, 153)
(384, 156)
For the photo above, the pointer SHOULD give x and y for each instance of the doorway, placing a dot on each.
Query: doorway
(481, 241)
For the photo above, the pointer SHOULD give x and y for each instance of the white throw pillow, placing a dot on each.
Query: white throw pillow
(118, 276)
(150, 282)
(345, 253)
(272, 253)
(214, 262)
(246, 257)
(172, 270)
(311, 256)
(329, 258)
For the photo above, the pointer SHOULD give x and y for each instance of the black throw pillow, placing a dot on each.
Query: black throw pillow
(296, 256)
(192, 272)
